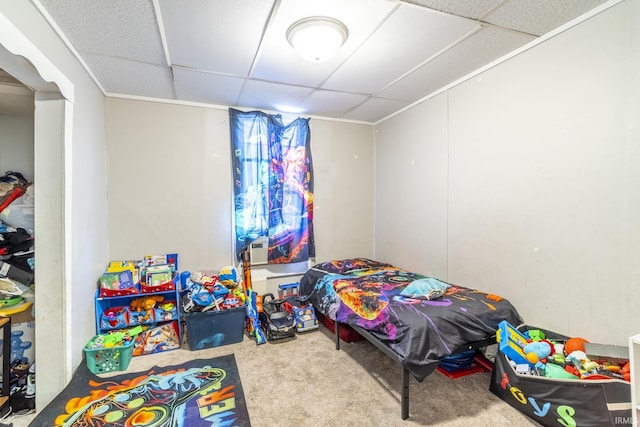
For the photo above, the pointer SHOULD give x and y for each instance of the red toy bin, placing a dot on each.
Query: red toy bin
(163, 287)
(117, 284)
(158, 338)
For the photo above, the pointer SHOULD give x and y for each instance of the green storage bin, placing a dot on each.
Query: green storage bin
(107, 359)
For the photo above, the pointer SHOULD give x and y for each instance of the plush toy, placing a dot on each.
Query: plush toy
(537, 352)
(228, 276)
(146, 304)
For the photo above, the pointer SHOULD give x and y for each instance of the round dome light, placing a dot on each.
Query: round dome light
(317, 38)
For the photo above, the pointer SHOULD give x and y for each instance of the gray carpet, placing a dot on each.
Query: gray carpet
(305, 381)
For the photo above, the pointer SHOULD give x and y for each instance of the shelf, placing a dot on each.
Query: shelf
(165, 322)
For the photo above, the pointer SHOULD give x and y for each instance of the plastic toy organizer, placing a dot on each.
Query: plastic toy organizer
(101, 359)
(160, 319)
(123, 317)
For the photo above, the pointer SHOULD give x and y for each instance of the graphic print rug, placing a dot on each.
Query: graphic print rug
(198, 393)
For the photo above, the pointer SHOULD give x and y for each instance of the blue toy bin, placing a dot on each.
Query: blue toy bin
(165, 311)
(136, 318)
(215, 328)
(114, 318)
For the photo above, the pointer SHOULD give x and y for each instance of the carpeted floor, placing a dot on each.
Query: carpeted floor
(306, 382)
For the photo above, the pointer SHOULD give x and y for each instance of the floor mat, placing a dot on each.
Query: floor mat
(201, 392)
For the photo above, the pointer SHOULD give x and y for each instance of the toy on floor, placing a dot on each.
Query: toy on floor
(276, 322)
(303, 313)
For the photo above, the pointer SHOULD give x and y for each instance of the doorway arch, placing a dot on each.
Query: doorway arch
(53, 118)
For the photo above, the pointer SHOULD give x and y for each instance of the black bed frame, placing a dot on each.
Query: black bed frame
(405, 372)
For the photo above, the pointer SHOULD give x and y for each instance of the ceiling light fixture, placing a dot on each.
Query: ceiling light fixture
(317, 38)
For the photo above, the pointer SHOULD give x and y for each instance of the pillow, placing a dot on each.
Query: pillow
(426, 288)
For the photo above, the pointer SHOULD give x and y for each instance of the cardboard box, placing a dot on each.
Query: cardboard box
(215, 328)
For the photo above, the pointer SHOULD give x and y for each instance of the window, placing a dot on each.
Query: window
(273, 184)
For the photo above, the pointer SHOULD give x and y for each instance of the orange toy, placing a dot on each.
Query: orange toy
(626, 371)
(146, 304)
(574, 344)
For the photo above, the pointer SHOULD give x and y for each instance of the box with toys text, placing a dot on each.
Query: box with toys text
(561, 381)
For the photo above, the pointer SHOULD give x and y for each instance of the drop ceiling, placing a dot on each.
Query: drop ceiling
(235, 53)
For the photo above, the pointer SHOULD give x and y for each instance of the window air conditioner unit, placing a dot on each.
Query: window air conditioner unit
(259, 251)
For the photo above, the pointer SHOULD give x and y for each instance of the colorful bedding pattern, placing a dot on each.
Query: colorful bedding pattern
(421, 330)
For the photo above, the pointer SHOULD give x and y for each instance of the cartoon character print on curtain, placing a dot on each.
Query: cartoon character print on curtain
(273, 184)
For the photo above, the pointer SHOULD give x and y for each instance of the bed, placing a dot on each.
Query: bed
(418, 321)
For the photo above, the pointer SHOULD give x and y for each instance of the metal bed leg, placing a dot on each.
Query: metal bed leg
(405, 393)
(336, 328)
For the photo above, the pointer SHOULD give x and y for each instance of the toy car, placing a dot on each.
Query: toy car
(304, 314)
(276, 322)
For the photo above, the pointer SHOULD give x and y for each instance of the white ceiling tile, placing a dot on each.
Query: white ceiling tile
(208, 88)
(272, 96)
(481, 48)
(278, 62)
(374, 109)
(470, 8)
(214, 35)
(539, 16)
(333, 104)
(122, 28)
(132, 78)
(396, 49)
(406, 39)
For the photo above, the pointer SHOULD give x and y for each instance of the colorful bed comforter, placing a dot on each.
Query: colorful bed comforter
(421, 319)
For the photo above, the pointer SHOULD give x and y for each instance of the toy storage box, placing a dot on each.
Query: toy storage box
(215, 328)
(102, 360)
(561, 402)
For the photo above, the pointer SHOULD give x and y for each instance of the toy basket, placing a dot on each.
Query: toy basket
(107, 359)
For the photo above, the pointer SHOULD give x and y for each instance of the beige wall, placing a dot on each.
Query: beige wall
(529, 181)
(170, 184)
(72, 189)
(16, 145)
(411, 189)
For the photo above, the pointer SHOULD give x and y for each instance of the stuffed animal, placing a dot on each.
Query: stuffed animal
(537, 352)
(228, 276)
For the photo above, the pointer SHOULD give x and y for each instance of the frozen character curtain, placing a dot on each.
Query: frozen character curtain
(273, 184)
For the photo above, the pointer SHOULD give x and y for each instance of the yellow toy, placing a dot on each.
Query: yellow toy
(146, 304)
